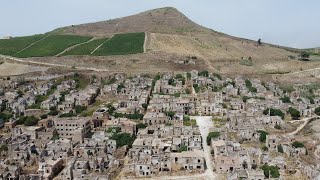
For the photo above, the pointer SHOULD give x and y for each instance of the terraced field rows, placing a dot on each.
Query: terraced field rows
(122, 44)
(52, 46)
(85, 49)
(11, 46)
(62, 45)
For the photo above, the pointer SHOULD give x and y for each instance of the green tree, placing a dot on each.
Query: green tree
(285, 99)
(317, 111)
(212, 135)
(274, 112)
(280, 148)
(183, 148)
(141, 126)
(297, 144)
(263, 136)
(123, 139)
(3, 147)
(31, 121)
(43, 116)
(273, 171)
(295, 114)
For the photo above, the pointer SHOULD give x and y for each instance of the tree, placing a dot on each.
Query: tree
(297, 144)
(274, 112)
(212, 135)
(3, 147)
(79, 109)
(204, 73)
(317, 111)
(259, 42)
(123, 139)
(304, 56)
(272, 171)
(141, 126)
(183, 148)
(263, 136)
(280, 148)
(264, 148)
(145, 106)
(89, 153)
(285, 99)
(31, 121)
(295, 114)
(44, 116)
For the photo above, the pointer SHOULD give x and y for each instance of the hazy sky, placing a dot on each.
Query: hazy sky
(292, 23)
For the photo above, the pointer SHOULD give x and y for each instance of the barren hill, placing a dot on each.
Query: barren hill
(163, 20)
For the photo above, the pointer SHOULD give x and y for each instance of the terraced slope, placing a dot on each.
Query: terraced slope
(85, 49)
(11, 46)
(52, 45)
(122, 44)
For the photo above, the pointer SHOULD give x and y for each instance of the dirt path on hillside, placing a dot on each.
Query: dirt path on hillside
(32, 44)
(74, 46)
(101, 45)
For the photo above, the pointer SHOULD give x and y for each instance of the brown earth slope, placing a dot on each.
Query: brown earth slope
(163, 20)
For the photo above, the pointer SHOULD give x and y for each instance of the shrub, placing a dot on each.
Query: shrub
(31, 121)
(285, 99)
(274, 112)
(264, 148)
(273, 171)
(263, 136)
(297, 144)
(44, 116)
(277, 126)
(123, 139)
(295, 114)
(183, 148)
(317, 111)
(204, 73)
(280, 148)
(212, 135)
(141, 126)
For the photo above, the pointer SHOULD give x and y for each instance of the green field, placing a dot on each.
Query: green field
(122, 44)
(85, 49)
(11, 46)
(52, 45)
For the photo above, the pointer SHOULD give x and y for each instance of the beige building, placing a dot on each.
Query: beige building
(74, 128)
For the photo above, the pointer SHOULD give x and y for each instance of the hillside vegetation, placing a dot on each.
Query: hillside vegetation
(11, 46)
(52, 45)
(87, 48)
(122, 44)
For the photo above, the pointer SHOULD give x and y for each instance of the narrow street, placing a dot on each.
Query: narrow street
(205, 123)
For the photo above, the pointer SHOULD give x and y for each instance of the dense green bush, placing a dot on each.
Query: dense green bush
(274, 112)
(123, 139)
(212, 135)
(273, 171)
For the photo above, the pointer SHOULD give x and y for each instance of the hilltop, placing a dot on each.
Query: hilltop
(166, 20)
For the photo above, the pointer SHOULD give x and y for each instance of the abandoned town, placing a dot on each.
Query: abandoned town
(156, 96)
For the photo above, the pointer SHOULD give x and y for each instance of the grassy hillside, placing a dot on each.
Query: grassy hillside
(11, 46)
(122, 44)
(52, 45)
(85, 49)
